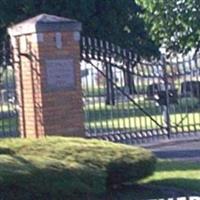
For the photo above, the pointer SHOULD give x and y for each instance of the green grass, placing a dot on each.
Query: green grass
(183, 175)
(55, 168)
(186, 114)
(93, 92)
(128, 116)
(67, 168)
(8, 121)
(9, 124)
(189, 121)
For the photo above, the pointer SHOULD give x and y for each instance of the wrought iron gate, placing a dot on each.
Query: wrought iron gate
(8, 103)
(126, 99)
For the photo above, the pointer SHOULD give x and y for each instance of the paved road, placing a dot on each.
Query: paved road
(180, 150)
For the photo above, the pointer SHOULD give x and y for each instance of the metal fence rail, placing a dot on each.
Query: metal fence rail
(126, 99)
(8, 103)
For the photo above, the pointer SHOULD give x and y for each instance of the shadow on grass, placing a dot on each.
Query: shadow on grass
(177, 166)
(55, 182)
(182, 184)
(135, 192)
(152, 190)
(21, 178)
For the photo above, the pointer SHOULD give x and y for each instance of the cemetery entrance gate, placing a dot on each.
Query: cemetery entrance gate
(128, 99)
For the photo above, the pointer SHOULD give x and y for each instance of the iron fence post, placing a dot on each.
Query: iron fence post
(165, 108)
(110, 96)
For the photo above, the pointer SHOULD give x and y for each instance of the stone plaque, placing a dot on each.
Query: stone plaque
(60, 74)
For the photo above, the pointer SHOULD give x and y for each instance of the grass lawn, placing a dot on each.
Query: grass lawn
(49, 166)
(125, 115)
(189, 122)
(8, 118)
(67, 168)
(8, 124)
(183, 175)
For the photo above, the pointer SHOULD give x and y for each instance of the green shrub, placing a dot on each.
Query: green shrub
(68, 168)
(130, 168)
(188, 102)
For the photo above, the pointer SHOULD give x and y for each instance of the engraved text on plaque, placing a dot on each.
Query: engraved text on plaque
(60, 74)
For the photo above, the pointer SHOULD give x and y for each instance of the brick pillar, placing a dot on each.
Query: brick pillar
(47, 68)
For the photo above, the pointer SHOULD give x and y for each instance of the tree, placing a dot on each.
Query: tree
(116, 21)
(174, 24)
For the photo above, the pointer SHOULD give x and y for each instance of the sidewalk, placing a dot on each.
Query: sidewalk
(183, 148)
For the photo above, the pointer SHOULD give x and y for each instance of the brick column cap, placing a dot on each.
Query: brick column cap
(45, 23)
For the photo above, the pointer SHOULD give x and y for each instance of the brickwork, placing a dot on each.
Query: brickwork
(44, 111)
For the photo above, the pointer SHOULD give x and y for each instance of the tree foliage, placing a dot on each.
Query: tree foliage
(116, 21)
(174, 24)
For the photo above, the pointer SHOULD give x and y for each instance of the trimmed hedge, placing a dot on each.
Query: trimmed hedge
(129, 169)
(68, 168)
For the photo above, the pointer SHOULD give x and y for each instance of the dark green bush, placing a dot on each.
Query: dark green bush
(130, 168)
(68, 168)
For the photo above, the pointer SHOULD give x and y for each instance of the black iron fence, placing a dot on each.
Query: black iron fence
(8, 104)
(128, 99)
